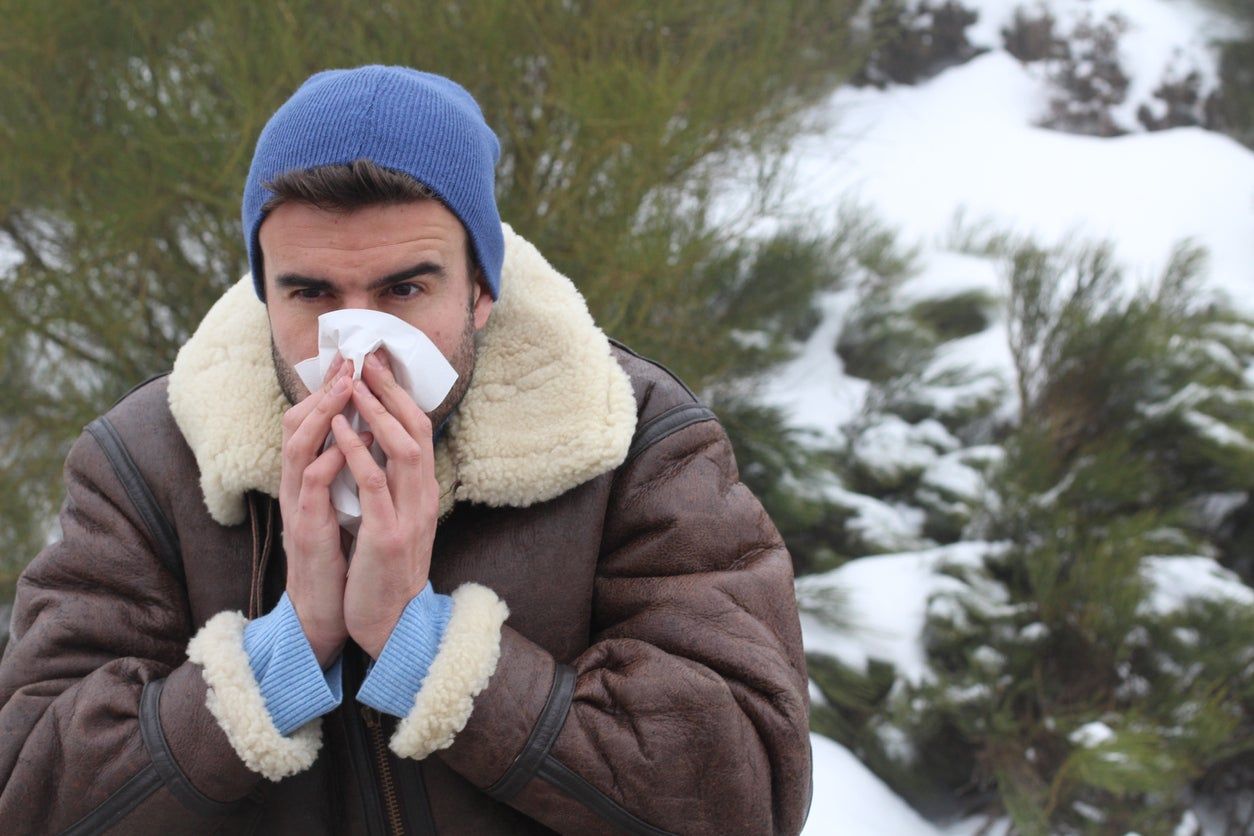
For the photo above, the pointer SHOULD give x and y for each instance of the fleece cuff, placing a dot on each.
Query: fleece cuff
(396, 677)
(234, 699)
(293, 684)
(463, 664)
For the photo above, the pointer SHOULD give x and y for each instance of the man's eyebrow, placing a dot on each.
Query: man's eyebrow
(425, 268)
(296, 280)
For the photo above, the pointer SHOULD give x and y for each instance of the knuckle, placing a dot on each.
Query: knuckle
(311, 478)
(375, 480)
(290, 454)
(410, 455)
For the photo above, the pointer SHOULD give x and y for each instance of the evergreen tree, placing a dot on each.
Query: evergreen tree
(126, 131)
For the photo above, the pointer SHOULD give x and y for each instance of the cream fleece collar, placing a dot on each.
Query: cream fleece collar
(549, 407)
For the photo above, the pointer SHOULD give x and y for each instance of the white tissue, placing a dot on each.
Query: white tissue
(417, 364)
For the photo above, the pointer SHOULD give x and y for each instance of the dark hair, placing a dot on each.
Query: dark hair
(351, 186)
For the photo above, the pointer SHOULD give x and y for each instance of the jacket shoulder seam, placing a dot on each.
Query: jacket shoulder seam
(139, 386)
(668, 423)
(163, 535)
(623, 347)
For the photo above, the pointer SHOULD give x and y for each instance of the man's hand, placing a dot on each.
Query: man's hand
(316, 566)
(399, 506)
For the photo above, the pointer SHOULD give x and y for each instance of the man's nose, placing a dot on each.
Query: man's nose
(359, 299)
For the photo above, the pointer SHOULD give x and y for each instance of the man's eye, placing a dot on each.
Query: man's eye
(405, 290)
(309, 293)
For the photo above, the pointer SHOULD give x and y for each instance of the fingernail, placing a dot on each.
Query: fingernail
(372, 360)
(340, 386)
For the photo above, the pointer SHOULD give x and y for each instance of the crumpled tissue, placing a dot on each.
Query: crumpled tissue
(419, 368)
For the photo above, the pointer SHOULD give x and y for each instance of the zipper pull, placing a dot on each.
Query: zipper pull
(372, 718)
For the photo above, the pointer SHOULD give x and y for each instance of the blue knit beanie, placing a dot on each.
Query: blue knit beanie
(421, 124)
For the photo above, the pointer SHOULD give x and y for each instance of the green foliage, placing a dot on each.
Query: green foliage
(953, 317)
(1063, 692)
(876, 342)
(917, 414)
(1231, 109)
(1134, 406)
(1145, 397)
(1235, 107)
(126, 132)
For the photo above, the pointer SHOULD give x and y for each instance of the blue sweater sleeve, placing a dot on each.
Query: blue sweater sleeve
(293, 684)
(396, 677)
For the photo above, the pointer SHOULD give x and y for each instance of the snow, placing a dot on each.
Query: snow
(1092, 735)
(880, 526)
(965, 141)
(1175, 581)
(951, 274)
(958, 165)
(949, 475)
(849, 798)
(1161, 35)
(892, 450)
(886, 598)
(959, 158)
(10, 256)
(814, 388)
(1034, 632)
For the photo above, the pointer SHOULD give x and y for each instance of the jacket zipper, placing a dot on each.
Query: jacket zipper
(387, 781)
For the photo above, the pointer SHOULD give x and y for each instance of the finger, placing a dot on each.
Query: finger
(337, 362)
(315, 482)
(317, 478)
(299, 411)
(305, 443)
(372, 482)
(376, 370)
(408, 461)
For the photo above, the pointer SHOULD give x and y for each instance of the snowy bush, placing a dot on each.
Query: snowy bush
(1231, 109)
(1083, 660)
(1089, 81)
(913, 40)
(1180, 101)
(1033, 35)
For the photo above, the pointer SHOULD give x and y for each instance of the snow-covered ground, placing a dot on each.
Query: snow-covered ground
(963, 152)
(848, 798)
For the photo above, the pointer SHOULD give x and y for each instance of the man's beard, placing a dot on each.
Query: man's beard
(462, 361)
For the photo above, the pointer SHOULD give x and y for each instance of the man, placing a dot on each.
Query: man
(561, 609)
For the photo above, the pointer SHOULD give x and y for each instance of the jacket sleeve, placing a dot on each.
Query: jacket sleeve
(103, 721)
(689, 711)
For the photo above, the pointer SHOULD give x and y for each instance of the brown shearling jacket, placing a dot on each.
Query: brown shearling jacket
(624, 651)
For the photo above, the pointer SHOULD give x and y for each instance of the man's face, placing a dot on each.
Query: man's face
(408, 260)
